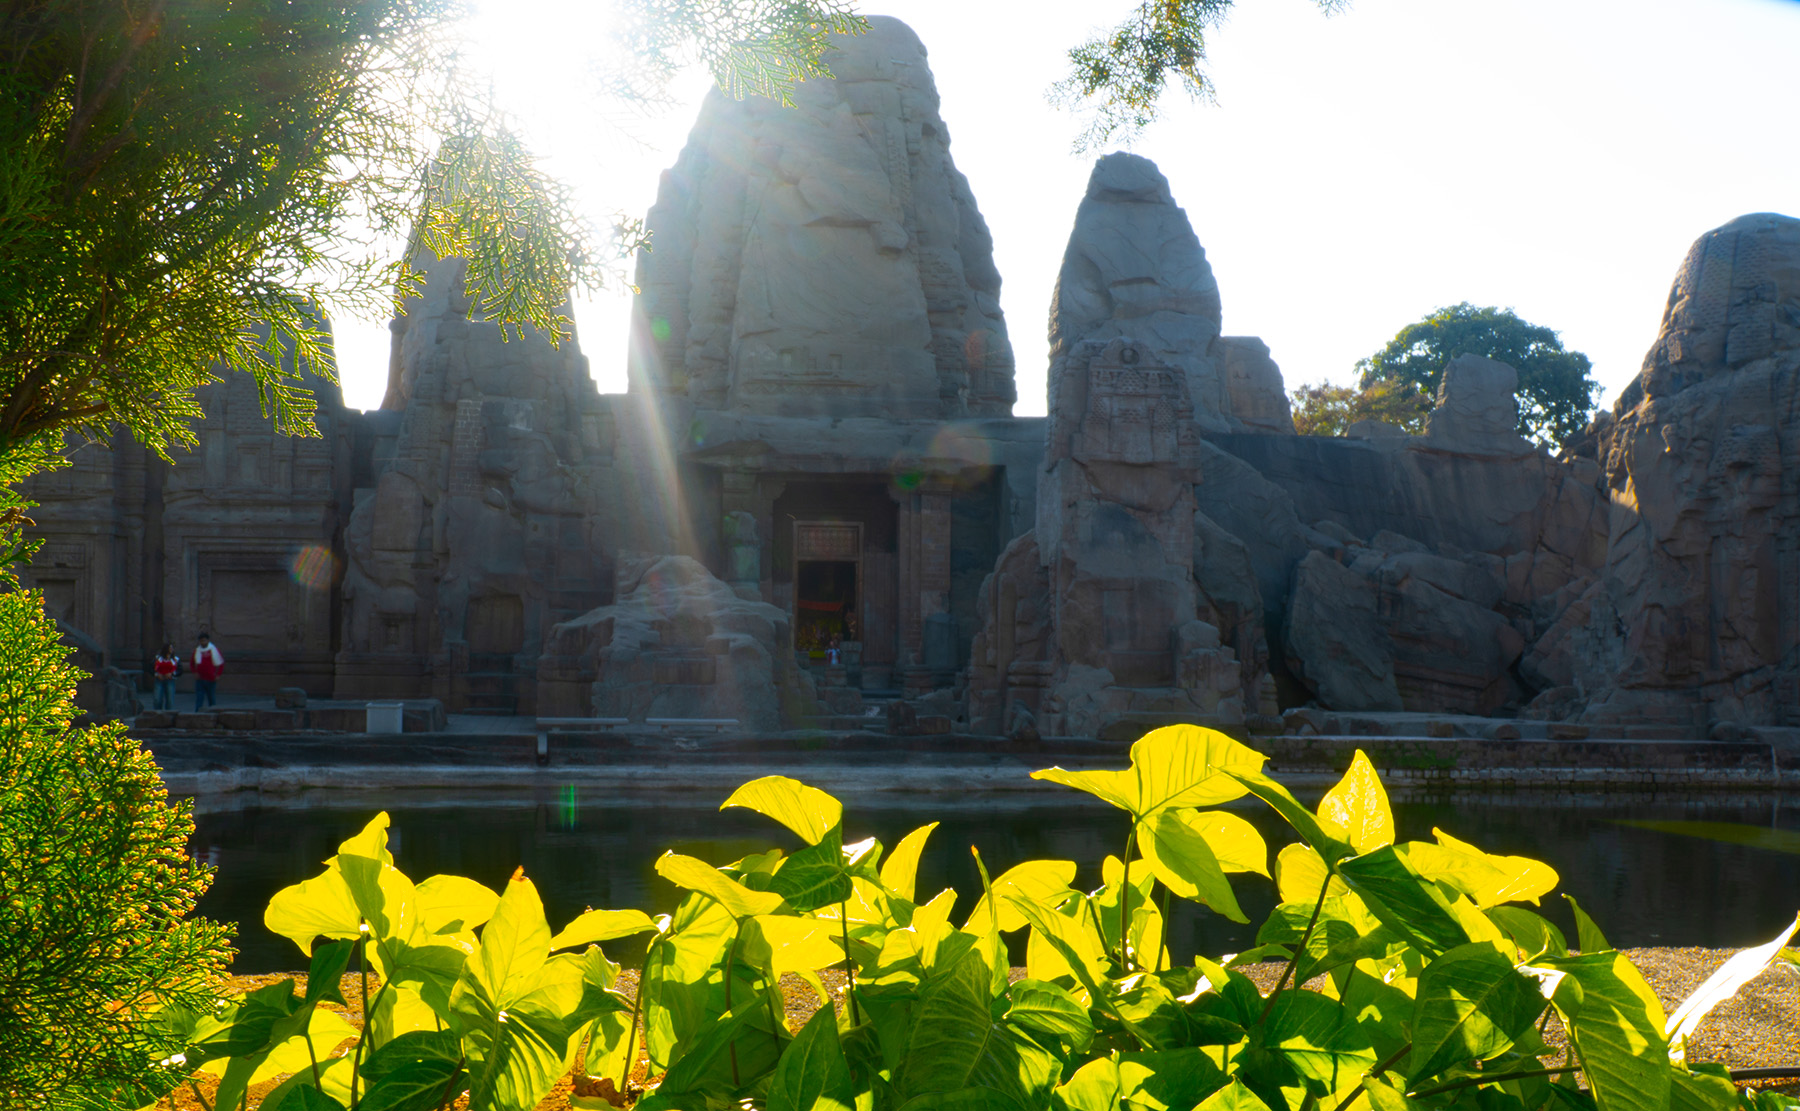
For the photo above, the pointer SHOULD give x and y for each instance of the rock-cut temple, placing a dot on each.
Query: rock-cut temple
(814, 497)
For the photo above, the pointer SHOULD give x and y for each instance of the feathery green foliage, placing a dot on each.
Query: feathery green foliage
(1118, 78)
(95, 891)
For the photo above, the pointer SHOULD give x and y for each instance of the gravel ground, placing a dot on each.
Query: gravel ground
(1759, 1028)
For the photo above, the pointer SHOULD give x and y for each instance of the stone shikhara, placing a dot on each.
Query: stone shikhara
(817, 462)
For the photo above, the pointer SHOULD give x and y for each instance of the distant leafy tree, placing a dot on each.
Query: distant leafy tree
(1328, 410)
(1556, 391)
(1118, 78)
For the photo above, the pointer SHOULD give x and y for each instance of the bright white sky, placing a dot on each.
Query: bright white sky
(1358, 171)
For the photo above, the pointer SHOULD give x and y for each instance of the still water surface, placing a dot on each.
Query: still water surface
(587, 847)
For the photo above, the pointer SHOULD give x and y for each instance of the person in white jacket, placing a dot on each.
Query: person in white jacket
(208, 662)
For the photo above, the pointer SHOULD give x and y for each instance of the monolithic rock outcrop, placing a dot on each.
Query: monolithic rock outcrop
(1477, 546)
(678, 643)
(826, 259)
(1698, 611)
(1112, 636)
(484, 526)
(1134, 268)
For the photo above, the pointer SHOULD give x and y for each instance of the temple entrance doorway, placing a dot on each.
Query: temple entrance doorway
(827, 584)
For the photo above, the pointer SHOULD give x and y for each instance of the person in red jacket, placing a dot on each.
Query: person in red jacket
(167, 667)
(208, 662)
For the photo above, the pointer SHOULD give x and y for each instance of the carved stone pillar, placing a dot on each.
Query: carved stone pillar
(745, 519)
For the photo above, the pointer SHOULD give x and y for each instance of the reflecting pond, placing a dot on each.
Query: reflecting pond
(1693, 869)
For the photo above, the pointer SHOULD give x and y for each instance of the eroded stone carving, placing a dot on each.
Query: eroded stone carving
(679, 643)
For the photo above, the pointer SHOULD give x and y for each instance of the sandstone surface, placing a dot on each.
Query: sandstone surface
(680, 643)
(826, 259)
(483, 525)
(1695, 617)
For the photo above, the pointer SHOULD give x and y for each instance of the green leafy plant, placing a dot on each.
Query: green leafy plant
(1411, 977)
(95, 889)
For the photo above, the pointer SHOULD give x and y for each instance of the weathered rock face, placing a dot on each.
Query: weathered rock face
(1476, 410)
(484, 527)
(827, 259)
(680, 643)
(235, 538)
(1114, 638)
(1697, 611)
(1472, 547)
(1134, 268)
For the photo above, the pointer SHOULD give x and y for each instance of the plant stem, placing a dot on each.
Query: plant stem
(1298, 949)
(850, 963)
(730, 961)
(1125, 901)
(1163, 936)
(637, 1002)
(198, 1096)
(1765, 1074)
(312, 1054)
(450, 1088)
(1344, 1104)
(362, 1037)
(1498, 1078)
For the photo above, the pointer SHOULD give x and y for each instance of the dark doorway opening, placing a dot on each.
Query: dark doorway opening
(824, 604)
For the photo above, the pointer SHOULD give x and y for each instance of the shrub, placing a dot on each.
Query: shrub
(95, 889)
(1412, 979)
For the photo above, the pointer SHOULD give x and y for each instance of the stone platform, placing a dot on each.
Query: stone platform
(943, 764)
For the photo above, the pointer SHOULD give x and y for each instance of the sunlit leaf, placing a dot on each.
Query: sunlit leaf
(596, 926)
(1724, 983)
(807, 811)
(1040, 1006)
(812, 1074)
(1484, 877)
(1471, 1005)
(1168, 1080)
(320, 907)
(1531, 932)
(515, 942)
(1045, 882)
(1318, 1040)
(1587, 935)
(1358, 805)
(452, 903)
(1329, 846)
(900, 872)
(697, 875)
(1179, 765)
(1617, 1030)
(1300, 874)
(1182, 859)
(783, 943)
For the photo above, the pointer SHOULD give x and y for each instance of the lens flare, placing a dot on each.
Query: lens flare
(312, 567)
